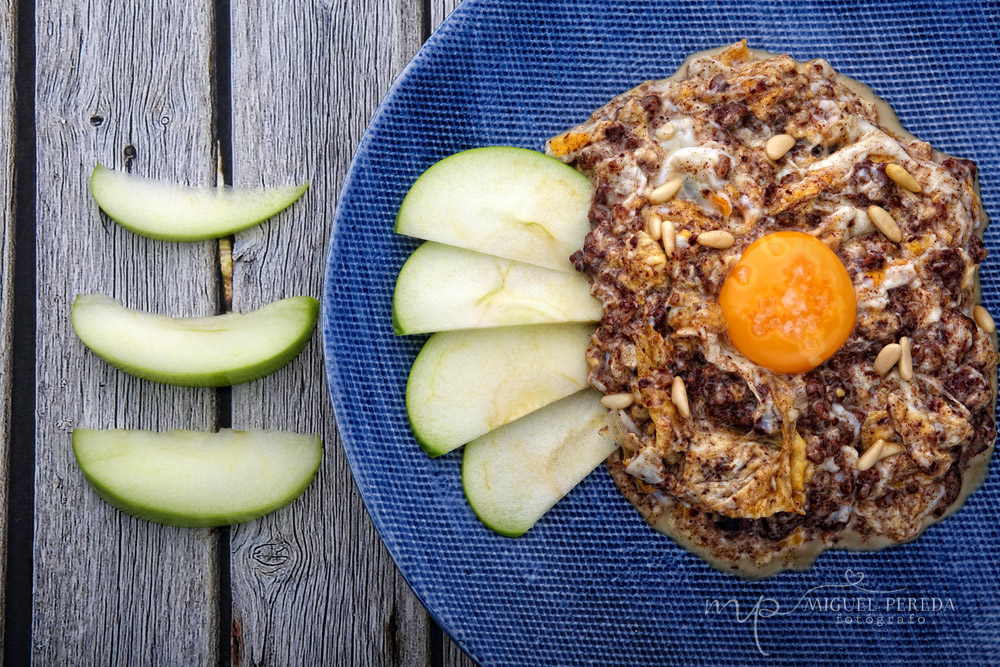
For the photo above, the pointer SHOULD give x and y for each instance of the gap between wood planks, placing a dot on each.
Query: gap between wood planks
(442, 651)
(436, 637)
(21, 446)
(228, 654)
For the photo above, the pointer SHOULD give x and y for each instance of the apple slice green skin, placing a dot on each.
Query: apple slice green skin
(196, 479)
(512, 476)
(508, 202)
(466, 383)
(442, 288)
(199, 351)
(172, 212)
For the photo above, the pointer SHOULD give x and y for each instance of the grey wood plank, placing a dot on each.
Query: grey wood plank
(312, 583)
(127, 84)
(440, 10)
(6, 267)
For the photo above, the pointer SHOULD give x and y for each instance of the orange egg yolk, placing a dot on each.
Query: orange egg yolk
(789, 302)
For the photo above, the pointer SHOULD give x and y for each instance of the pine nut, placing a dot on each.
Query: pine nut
(902, 178)
(887, 358)
(905, 359)
(679, 397)
(871, 455)
(653, 226)
(668, 237)
(840, 393)
(617, 401)
(666, 191)
(890, 449)
(717, 238)
(666, 132)
(881, 219)
(984, 319)
(778, 145)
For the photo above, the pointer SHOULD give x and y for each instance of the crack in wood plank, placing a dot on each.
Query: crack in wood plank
(225, 244)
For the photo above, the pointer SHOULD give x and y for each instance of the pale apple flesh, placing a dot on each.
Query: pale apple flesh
(443, 288)
(197, 479)
(508, 202)
(466, 383)
(174, 212)
(513, 475)
(195, 351)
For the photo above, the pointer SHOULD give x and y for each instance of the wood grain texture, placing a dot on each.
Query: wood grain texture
(440, 10)
(6, 266)
(129, 85)
(312, 583)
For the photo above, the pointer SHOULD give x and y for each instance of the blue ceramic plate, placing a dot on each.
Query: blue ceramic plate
(590, 583)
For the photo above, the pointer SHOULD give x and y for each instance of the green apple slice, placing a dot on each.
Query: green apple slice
(509, 202)
(189, 478)
(173, 212)
(515, 474)
(441, 288)
(466, 383)
(195, 351)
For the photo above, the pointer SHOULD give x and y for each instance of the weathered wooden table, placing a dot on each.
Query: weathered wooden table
(284, 90)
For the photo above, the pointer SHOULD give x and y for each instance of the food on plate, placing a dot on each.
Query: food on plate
(466, 383)
(516, 473)
(513, 323)
(190, 478)
(771, 408)
(508, 202)
(174, 212)
(195, 351)
(441, 288)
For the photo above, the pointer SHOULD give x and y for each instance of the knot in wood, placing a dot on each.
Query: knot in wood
(274, 554)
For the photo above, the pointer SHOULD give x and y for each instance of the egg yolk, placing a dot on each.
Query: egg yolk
(789, 302)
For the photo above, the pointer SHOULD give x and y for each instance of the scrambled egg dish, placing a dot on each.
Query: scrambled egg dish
(791, 345)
